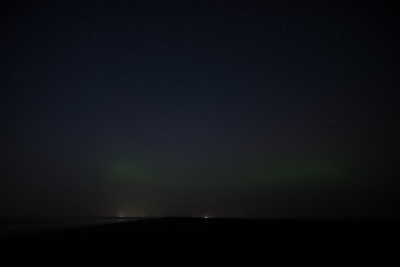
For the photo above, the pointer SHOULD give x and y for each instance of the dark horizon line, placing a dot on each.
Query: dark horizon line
(309, 218)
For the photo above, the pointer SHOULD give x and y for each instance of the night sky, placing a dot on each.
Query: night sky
(264, 109)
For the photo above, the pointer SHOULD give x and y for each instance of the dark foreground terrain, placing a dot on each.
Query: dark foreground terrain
(206, 241)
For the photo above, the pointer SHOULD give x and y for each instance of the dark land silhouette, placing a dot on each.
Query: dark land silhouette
(292, 242)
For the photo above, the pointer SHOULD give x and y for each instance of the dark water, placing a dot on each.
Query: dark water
(23, 226)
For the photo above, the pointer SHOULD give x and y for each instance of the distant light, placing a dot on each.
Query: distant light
(205, 217)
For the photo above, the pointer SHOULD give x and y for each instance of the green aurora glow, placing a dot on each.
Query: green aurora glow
(304, 172)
